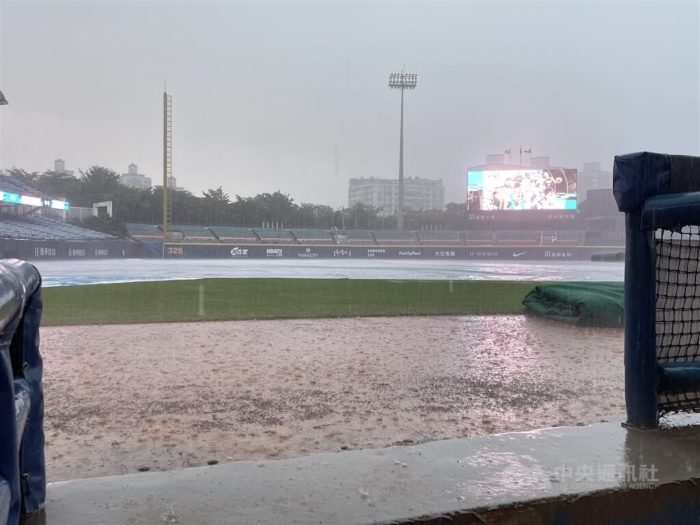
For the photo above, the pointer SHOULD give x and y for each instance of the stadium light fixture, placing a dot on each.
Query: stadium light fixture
(3, 100)
(402, 81)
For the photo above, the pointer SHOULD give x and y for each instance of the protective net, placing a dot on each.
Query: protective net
(678, 318)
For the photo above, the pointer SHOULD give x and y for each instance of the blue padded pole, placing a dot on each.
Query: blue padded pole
(640, 325)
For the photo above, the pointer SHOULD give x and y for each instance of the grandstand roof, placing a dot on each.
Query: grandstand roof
(13, 185)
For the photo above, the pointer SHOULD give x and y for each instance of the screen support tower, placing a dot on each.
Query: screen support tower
(167, 166)
(402, 81)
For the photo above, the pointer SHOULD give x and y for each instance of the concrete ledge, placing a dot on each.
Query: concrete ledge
(562, 475)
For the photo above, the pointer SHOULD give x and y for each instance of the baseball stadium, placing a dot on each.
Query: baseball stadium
(526, 355)
(356, 375)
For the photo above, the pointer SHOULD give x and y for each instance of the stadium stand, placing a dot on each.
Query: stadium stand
(395, 237)
(194, 234)
(604, 238)
(234, 234)
(144, 232)
(478, 237)
(312, 236)
(274, 235)
(570, 237)
(442, 237)
(12, 185)
(355, 237)
(519, 237)
(43, 228)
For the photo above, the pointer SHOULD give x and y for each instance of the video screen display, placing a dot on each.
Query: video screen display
(527, 189)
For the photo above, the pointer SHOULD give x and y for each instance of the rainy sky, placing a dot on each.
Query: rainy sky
(294, 96)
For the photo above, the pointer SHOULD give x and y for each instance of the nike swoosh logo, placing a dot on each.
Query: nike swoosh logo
(519, 254)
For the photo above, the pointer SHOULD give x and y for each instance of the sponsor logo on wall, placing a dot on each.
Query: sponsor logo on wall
(371, 252)
(482, 255)
(558, 255)
(445, 253)
(274, 252)
(409, 254)
(239, 252)
(308, 254)
(101, 252)
(44, 252)
(342, 252)
(76, 252)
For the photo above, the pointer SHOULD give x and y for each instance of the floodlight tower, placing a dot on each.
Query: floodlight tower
(402, 81)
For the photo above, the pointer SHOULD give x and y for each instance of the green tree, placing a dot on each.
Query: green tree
(30, 177)
(98, 184)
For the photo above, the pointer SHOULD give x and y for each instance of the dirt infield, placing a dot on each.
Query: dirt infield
(124, 398)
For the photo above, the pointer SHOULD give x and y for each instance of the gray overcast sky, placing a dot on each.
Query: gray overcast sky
(265, 95)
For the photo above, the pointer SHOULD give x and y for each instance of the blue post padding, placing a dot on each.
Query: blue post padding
(9, 459)
(641, 375)
(639, 176)
(20, 313)
(672, 211)
(32, 453)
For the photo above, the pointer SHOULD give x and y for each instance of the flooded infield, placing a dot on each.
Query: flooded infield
(159, 397)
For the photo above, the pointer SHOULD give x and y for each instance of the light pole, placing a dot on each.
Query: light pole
(402, 81)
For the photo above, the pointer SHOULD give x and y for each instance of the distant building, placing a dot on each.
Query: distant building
(592, 177)
(134, 179)
(172, 182)
(383, 194)
(540, 163)
(59, 166)
(496, 158)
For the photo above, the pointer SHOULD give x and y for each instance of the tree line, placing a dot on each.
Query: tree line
(214, 207)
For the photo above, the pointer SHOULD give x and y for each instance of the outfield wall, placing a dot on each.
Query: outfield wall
(268, 251)
(32, 250)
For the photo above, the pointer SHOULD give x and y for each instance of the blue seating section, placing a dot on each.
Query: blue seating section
(234, 234)
(194, 234)
(480, 237)
(312, 236)
(399, 237)
(358, 236)
(274, 235)
(144, 232)
(519, 237)
(443, 237)
(43, 228)
(12, 185)
(566, 237)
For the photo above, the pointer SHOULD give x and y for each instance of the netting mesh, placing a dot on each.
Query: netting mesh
(678, 317)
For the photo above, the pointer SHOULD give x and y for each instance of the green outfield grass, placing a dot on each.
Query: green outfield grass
(237, 299)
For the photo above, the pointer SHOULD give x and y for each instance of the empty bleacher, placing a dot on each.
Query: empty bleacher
(44, 228)
(274, 235)
(519, 237)
(312, 236)
(12, 185)
(442, 237)
(399, 237)
(356, 236)
(479, 237)
(571, 237)
(144, 232)
(234, 234)
(605, 238)
(194, 234)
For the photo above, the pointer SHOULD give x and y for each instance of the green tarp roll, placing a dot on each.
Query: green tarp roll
(584, 304)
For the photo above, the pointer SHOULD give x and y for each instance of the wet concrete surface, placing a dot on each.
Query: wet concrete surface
(168, 396)
(393, 484)
(61, 273)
